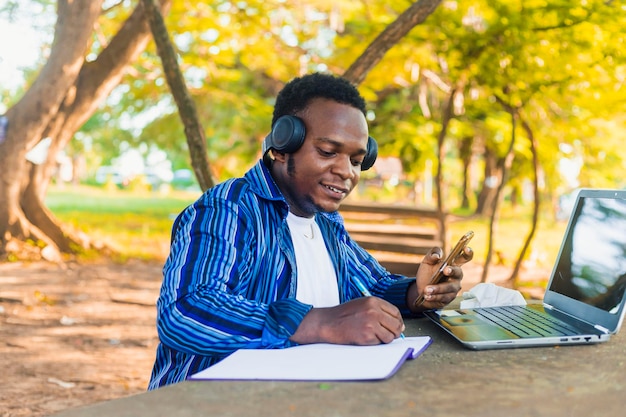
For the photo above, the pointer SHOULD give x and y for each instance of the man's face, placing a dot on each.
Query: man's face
(319, 175)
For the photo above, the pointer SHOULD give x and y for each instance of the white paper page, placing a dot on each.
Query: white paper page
(317, 362)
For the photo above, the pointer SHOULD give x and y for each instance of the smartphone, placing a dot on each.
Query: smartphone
(450, 259)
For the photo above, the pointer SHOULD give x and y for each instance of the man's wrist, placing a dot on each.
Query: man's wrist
(310, 329)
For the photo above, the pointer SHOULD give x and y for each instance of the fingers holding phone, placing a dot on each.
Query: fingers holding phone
(444, 283)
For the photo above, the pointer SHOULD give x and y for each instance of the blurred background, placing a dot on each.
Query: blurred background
(493, 111)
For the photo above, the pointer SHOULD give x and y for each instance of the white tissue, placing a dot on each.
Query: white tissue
(490, 295)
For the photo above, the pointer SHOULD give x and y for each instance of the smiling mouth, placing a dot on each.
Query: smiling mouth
(338, 191)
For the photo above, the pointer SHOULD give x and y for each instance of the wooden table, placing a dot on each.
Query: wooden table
(447, 380)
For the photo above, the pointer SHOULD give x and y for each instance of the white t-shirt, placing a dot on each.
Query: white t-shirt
(317, 281)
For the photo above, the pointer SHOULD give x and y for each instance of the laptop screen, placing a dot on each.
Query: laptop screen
(592, 263)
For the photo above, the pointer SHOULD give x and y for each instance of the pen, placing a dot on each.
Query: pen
(366, 292)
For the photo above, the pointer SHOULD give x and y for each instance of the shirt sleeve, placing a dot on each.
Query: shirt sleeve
(217, 292)
(380, 282)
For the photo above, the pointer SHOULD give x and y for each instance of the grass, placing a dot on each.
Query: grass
(137, 224)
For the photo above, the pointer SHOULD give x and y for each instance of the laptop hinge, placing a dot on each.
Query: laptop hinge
(596, 326)
(602, 329)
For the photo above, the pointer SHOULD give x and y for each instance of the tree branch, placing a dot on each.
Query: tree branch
(411, 17)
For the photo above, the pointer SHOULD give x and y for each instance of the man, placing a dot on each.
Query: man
(264, 261)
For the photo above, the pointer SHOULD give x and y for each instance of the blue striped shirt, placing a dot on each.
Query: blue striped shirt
(230, 280)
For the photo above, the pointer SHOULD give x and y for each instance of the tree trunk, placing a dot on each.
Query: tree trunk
(446, 117)
(492, 177)
(184, 102)
(64, 95)
(27, 119)
(504, 168)
(466, 155)
(513, 279)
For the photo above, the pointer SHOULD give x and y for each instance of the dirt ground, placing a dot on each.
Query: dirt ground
(75, 334)
(78, 334)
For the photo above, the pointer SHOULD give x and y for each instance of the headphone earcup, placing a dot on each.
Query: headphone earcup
(287, 134)
(371, 155)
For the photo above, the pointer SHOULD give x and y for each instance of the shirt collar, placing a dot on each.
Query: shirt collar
(262, 183)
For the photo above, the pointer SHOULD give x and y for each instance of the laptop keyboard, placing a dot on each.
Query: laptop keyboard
(525, 322)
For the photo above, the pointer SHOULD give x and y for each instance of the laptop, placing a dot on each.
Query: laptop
(585, 297)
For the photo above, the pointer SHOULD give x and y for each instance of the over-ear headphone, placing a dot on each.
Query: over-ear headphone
(288, 134)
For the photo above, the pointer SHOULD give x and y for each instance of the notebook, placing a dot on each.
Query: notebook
(317, 362)
(586, 294)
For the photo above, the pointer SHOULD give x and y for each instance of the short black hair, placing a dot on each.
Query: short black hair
(298, 93)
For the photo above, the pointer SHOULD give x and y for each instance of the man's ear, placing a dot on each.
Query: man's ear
(279, 156)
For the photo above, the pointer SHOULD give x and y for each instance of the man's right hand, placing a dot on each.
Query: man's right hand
(363, 321)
